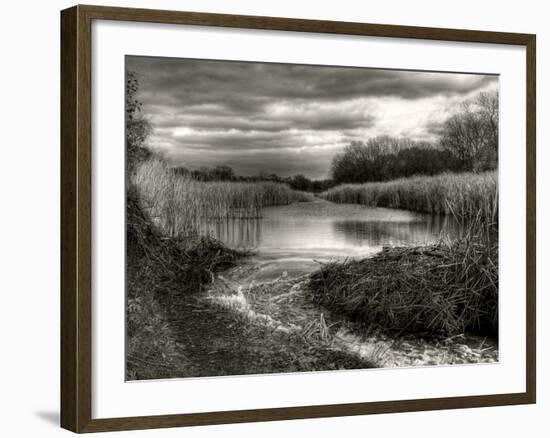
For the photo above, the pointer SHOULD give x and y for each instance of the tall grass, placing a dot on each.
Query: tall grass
(464, 195)
(177, 204)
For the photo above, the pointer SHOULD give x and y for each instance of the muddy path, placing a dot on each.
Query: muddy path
(220, 333)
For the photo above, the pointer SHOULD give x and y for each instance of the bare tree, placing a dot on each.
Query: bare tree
(472, 134)
(138, 127)
(488, 106)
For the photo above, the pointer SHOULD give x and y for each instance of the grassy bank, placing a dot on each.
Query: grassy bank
(160, 272)
(465, 195)
(443, 289)
(178, 203)
(168, 262)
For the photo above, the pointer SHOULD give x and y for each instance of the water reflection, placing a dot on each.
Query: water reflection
(420, 231)
(320, 230)
(235, 233)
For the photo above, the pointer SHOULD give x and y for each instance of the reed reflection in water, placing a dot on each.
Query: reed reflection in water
(236, 233)
(320, 229)
(422, 231)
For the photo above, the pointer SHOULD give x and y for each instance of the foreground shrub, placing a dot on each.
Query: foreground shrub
(443, 289)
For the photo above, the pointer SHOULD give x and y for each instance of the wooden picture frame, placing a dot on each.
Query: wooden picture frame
(76, 217)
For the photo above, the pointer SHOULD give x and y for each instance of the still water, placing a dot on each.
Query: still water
(321, 230)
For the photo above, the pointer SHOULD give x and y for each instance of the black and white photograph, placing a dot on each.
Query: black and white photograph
(285, 218)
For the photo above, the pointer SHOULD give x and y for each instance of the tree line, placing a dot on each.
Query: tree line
(226, 173)
(468, 142)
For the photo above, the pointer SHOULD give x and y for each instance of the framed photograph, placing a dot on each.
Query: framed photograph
(270, 218)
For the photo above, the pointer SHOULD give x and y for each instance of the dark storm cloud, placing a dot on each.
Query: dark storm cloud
(241, 85)
(248, 108)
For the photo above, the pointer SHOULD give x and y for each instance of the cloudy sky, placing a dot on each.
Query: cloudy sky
(287, 119)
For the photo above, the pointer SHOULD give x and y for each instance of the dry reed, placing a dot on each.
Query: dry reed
(464, 195)
(442, 289)
(177, 204)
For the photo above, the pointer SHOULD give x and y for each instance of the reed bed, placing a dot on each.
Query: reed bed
(464, 195)
(177, 204)
(444, 289)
